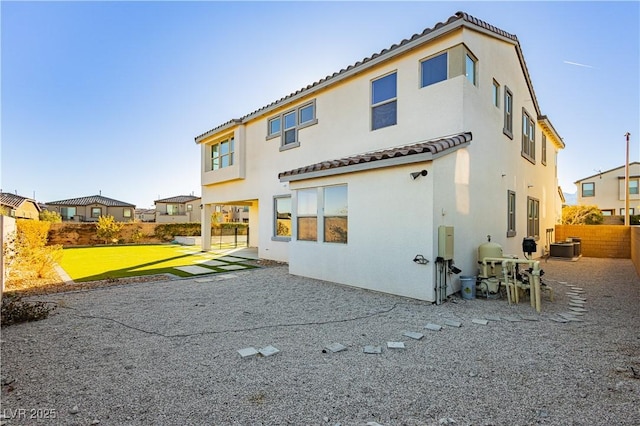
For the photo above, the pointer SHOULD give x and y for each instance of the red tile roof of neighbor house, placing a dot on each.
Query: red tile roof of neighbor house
(178, 199)
(460, 18)
(434, 146)
(14, 200)
(92, 199)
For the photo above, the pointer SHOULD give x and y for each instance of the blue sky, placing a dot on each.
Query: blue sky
(108, 96)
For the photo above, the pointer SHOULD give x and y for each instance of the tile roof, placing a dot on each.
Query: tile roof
(452, 23)
(435, 147)
(92, 199)
(14, 200)
(178, 199)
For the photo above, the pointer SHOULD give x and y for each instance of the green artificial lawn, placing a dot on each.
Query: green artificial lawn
(99, 263)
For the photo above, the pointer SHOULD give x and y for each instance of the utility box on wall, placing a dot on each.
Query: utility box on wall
(445, 242)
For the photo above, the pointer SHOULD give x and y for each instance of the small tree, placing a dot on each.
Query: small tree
(31, 257)
(581, 215)
(50, 216)
(108, 229)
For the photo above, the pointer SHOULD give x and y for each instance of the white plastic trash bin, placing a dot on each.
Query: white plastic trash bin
(468, 287)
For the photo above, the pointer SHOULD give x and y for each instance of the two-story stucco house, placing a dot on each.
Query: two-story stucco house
(178, 209)
(607, 190)
(89, 209)
(386, 173)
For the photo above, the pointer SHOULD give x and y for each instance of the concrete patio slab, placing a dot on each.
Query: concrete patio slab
(194, 270)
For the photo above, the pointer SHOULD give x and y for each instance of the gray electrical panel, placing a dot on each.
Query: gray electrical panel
(445, 242)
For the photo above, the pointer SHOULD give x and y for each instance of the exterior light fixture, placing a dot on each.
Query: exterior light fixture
(415, 175)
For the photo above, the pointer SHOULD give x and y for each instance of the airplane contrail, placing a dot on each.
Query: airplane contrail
(577, 64)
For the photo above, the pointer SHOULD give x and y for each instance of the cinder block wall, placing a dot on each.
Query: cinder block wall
(635, 247)
(612, 241)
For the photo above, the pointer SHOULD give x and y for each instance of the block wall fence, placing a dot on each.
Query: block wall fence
(607, 241)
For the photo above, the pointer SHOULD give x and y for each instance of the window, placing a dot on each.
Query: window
(528, 137)
(173, 209)
(384, 102)
(434, 70)
(495, 94)
(96, 211)
(470, 69)
(631, 212)
(282, 210)
(533, 217)
(126, 213)
(508, 113)
(189, 207)
(588, 189)
(274, 126)
(335, 214)
(511, 214)
(67, 212)
(222, 154)
(307, 212)
(607, 212)
(543, 154)
(633, 187)
(287, 124)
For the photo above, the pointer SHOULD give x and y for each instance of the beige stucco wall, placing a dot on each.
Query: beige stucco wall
(27, 210)
(466, 189)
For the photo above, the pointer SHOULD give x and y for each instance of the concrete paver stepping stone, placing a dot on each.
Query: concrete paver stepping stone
(233, 267)
(212, 263)
(575, 309)
(530, 318)
(433, 327)
(513, 319)
(204, 280)
(480, 321)
(452, 323)
(369, 349)
(492, 317)
(232, 259)
(562, 320)
(413, 335)
(194, 270)
(268, 350)
(336, 347)
(395, 345)
(576, 304)
(223, 277)
(247, 352)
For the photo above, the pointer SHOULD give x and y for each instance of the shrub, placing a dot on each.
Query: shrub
(27, 254)
(108, 229)
(15, 310)
(50, 216)
(581, 215)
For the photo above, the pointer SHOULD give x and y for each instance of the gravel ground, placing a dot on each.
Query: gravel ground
(166, 353)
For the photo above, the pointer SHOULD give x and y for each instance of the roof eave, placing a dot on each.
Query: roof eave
(545, 123)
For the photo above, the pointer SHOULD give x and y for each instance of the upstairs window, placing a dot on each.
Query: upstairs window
(222, 154)
(508, 113)
(633, 187)
(434, 70)
(470, 68)
(287, 124)
(384, 106)
(543, 154)
(528, 137)
(495, 94)
(588, 189)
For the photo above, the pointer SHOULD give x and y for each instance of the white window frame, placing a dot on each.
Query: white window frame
(387, 101)
(230, 140)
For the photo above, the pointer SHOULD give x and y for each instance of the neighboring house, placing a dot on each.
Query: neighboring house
(146, 215)
(19, 207)
(607, 190)
(179, 209)
(417, 152)
(89, 209)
